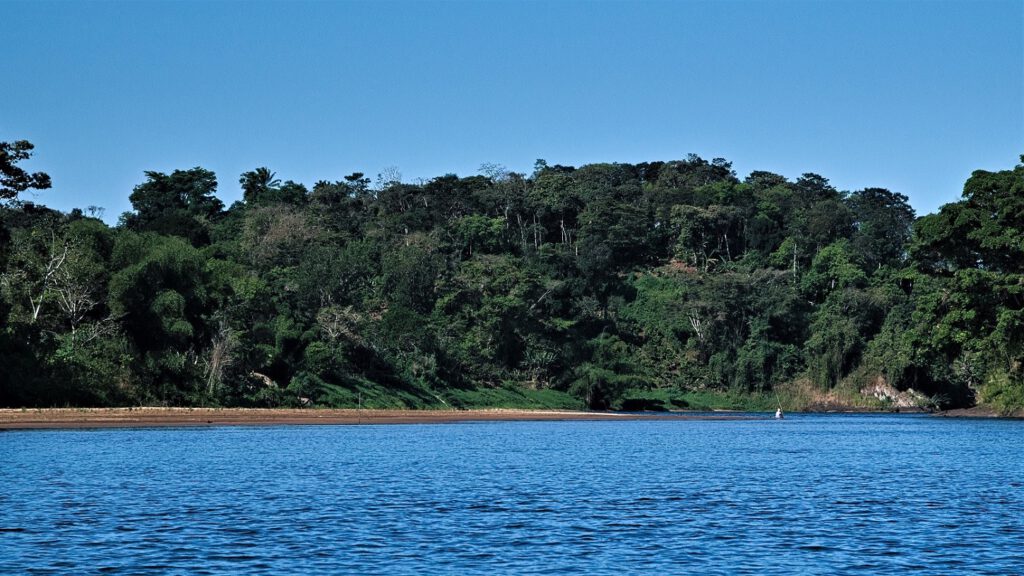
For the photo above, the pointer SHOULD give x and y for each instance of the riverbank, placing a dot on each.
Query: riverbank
(980, 412)
(56, 418)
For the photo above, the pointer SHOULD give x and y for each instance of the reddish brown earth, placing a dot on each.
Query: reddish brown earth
(140, 417)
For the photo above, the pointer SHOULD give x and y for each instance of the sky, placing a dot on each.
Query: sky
(911, 96)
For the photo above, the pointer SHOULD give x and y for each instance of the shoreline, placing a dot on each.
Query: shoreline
(980, 412)
(162, 417)
(153, 417)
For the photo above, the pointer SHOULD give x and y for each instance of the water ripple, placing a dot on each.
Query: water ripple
(809, 495)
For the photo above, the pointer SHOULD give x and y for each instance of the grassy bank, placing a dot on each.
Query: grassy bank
(699, 400)
(371, 395)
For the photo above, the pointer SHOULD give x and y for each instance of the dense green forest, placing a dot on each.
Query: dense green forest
(656, 285)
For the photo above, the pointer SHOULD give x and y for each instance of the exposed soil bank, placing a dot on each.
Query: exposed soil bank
(145, 417)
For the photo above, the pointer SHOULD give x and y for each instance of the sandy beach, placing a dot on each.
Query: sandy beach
(54, 418)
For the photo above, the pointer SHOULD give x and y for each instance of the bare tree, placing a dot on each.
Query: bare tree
(76, 285)
(222, 347)
(389, 176)
(496, 172)
(34, 279)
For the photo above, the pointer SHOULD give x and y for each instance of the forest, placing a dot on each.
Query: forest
(660, 285)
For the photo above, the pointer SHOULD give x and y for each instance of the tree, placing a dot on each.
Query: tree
(985, 230)
(883, 222)
(832, 269)
(410, 272)
(161, 291)
(487, 313)
(178, 204)
(687, 175)
(974, 249)
(603, 281)
(261, 187)
(276, 236)
(14, 180)
(556, 197)
(38, 274)
(78, 283)
(257, 183)
(707, 235)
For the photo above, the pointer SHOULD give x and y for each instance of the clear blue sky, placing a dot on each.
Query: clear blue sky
(911, 96)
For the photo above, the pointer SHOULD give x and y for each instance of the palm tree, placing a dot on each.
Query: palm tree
(256, 182)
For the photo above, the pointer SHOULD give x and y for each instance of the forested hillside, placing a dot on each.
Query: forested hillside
(606, 285)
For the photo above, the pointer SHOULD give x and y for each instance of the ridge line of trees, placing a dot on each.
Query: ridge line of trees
(600, 283)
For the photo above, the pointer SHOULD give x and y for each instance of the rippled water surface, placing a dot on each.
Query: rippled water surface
(807, 495)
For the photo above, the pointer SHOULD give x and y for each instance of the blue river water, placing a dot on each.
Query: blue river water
(812, 494)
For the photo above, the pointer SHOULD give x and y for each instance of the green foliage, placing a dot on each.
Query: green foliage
(486, 315)
(13, 179)
(1005, 391)
(662, 285)
(180, 204)
(832, 269)
(884, 221)
(476, 233)
(513, 397)
(707, 236)
(716, 400)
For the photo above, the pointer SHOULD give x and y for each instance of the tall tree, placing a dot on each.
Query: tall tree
(13, 179)
(178, 204)
(883, 222)
(257, 183)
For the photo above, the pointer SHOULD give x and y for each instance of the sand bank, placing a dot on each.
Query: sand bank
(147, 417)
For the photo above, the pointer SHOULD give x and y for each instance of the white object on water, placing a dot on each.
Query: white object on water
(778, 414)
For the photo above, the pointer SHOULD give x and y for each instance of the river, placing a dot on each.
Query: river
(811, 494)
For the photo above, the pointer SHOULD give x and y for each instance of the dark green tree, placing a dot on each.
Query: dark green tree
(883, 221)
(179, 204)
(13, 179)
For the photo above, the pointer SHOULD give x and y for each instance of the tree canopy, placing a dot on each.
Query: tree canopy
(605, 285)
(13, 179)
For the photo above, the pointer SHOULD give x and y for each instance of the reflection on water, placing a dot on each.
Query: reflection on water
(809, 495)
